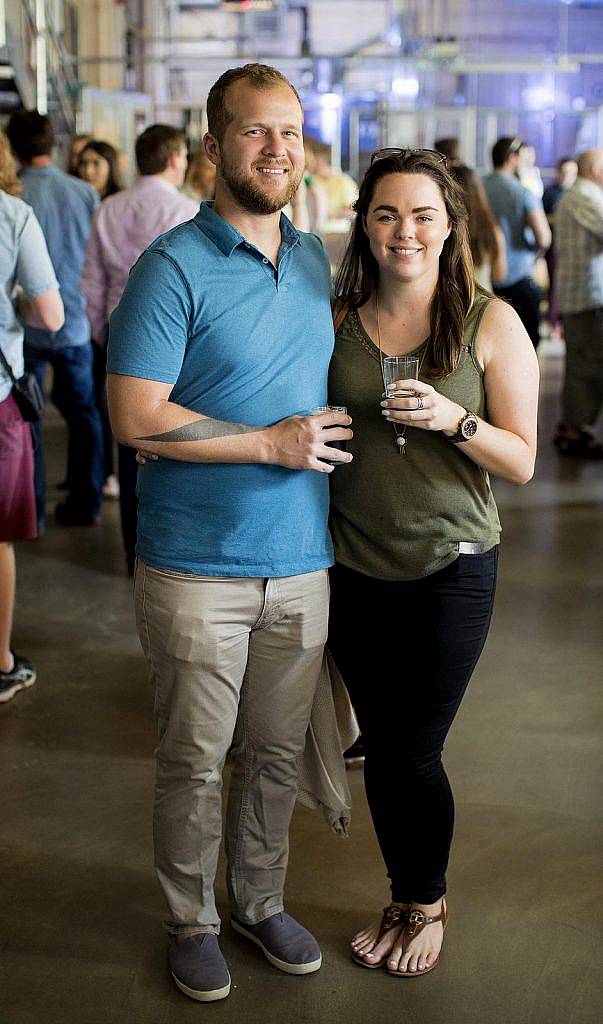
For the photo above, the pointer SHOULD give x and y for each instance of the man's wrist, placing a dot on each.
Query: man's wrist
(266, 447)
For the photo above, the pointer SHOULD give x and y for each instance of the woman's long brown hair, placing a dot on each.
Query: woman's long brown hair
(358, 275)
(481, 222)
(9, 182)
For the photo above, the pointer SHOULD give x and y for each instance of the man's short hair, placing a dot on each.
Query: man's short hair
(156, 145)
(503, 148)
(30, 134)
(260, 76)
(449, 147)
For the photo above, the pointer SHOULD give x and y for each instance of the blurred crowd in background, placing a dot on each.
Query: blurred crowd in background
(527, 247)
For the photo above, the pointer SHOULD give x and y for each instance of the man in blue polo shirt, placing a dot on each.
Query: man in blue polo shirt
(218, 355)
(524, 225)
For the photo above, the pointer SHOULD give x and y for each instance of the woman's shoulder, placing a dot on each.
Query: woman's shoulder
(15, 214)
(500, 331)
(495, 311)
(13, 206)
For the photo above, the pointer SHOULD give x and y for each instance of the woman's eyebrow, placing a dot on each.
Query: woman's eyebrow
(417, 209)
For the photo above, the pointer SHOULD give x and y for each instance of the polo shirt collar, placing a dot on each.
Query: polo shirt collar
(227, 238)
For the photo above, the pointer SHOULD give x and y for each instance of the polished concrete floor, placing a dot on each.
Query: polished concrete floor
(80, 934)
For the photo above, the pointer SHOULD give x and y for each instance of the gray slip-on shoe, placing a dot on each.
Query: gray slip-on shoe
(285, 943)
(199, 969)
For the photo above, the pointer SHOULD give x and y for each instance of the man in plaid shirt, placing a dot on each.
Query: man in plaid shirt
(579, 243)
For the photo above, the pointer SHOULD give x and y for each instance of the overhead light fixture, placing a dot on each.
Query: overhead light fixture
(406, 87)
(538, 97)
(247, 5)
(467, 66)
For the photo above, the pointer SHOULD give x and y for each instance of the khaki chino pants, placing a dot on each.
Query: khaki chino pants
(235, 663)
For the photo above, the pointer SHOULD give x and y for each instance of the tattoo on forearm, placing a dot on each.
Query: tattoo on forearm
(201, 430)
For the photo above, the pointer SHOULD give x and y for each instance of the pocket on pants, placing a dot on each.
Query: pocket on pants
(314, 614)
(477, 572)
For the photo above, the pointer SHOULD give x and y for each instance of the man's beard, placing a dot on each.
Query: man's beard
(251, 197)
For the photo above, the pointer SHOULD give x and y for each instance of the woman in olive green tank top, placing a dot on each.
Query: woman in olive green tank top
(413, 517)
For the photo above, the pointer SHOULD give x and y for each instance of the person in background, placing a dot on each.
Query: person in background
(64, 207)
(29, 293)
(451, 149)
(200, 180)
(528, 171)
(413, 518)
(340, 189)
(579, 241)
(521, 217)
(99, 166)
(567, 169)
(318, 203)
(485, 235)
(76, 146)
(123, 227)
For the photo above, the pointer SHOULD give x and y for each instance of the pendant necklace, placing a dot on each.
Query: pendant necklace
(399, 429)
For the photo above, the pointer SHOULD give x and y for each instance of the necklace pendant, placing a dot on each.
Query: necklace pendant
(400, 443)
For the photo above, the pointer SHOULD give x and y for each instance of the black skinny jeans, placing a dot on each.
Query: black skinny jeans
(406, 651)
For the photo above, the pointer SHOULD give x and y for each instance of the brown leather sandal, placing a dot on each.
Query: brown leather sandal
(417, 921)
(392, 915)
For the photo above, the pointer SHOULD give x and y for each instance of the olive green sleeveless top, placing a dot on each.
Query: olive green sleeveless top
(400, 517)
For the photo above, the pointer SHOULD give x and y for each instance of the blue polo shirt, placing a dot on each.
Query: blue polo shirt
(243, 341)
(510, 201)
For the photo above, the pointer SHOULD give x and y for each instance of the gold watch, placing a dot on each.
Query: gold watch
(466, 428)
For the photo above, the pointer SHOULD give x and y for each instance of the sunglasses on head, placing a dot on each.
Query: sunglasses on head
(383, 154)
(515, 146)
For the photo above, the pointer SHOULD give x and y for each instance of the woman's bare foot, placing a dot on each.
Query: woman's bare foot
(418, 954)
(365, 946)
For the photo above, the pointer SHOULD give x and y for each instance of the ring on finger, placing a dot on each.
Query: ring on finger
(420, 402)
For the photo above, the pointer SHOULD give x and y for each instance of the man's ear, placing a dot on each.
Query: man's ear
(212, 148)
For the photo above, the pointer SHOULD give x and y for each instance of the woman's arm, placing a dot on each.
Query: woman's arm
(499, 262)
(505, 444)
(42, 310)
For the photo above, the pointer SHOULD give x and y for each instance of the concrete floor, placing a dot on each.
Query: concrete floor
(80, 935)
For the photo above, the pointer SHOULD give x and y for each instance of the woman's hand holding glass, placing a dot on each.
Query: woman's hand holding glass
(425, 407)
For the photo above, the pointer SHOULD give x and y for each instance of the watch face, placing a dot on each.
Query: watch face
(469, 427)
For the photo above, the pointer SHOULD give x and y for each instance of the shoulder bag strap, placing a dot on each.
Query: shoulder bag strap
(7, 367)
(341, 315)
